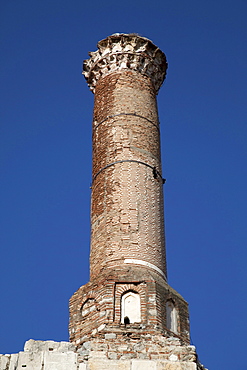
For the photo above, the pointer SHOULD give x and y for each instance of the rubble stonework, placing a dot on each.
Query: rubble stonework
(104, 353)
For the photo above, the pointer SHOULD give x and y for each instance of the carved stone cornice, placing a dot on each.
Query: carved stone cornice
(125, 52)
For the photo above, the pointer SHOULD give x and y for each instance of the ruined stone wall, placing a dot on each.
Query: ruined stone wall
(104, 353)
(40, 355)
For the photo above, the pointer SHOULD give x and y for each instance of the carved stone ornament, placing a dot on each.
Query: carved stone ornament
(122, 52)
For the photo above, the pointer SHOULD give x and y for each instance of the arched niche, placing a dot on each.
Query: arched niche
(88, 306)
(130, 308)
(171, 317)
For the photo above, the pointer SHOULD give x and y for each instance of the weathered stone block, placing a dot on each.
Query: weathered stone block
(109, 365)
(4, 362)
(143, 365)
(82, 367)
(30, 360)
(110, 336)
(13, 362)
(166, 365)
(60, 361)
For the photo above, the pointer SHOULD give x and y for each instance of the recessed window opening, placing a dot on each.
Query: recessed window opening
(171, 317)
(130, 308)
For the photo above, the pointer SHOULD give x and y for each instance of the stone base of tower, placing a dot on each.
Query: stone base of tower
(137, 352)
(100, 305)
(105, 339)
(105, 352)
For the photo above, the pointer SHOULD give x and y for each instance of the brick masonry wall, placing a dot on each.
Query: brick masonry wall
(127, 201)
(127, 251)
(96, 306)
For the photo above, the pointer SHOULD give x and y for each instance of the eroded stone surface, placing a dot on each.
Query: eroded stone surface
(103, 354)
(42, 355)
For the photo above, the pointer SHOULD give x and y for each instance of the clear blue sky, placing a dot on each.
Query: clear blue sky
(45, 168)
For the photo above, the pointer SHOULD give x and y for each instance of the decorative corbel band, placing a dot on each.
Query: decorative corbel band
(123, 52)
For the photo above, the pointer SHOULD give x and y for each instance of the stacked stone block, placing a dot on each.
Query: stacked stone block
(107, 352)
(40, 355)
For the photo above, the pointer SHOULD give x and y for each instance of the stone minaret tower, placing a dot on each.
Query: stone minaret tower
(127, 200)
(127, 317)
(128, 312)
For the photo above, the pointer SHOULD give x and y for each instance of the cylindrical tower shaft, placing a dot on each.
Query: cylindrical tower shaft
(127, 216)
(127, 295)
